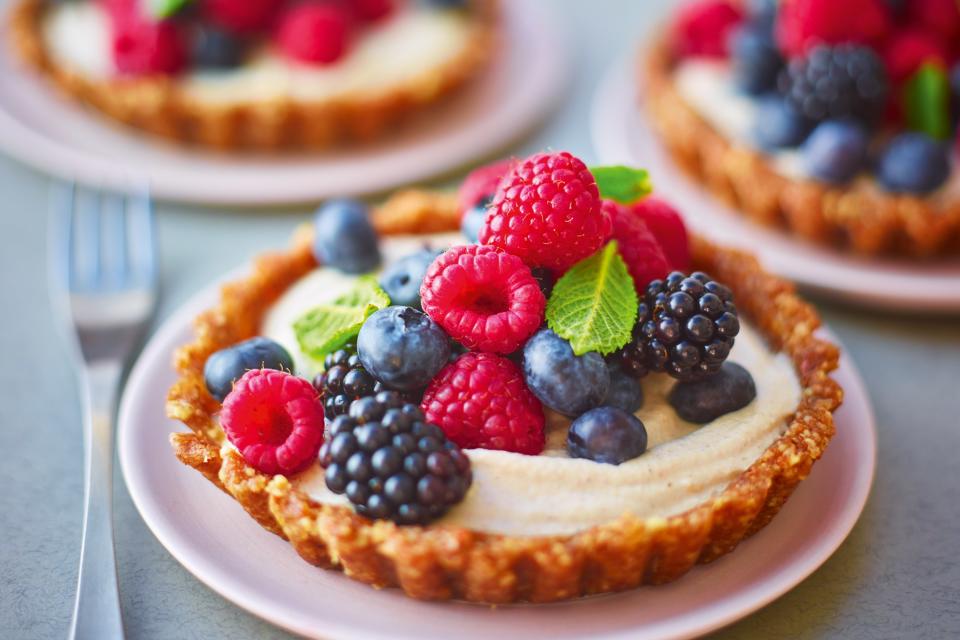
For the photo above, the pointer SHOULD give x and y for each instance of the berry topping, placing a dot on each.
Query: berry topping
(241, 16)
(756, 60)
(937, 16)
(402, 347)
(481, 183)
(625, 391)
(371, 10)
(472, 221)
(686, 326)
(637, 245)
(344, 237)
(141, 47)
(314, 33)
(342, 381)
(703, 401)
(275, 420)
(703, 28)
(779, 124)
(666, 225)
(842, 81)
(564, 382)
(547, 212)
(909, 48)
(215, 48)
(402, 279)
(836, 151)
(484, 298)
(391, 464)
(607, 434)
(223, 368)
(804, 24)
(913, 163)
(481, 401)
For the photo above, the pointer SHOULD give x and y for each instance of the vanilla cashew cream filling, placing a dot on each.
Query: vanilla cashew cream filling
(707, 86)
(551, 494)
(386, 55)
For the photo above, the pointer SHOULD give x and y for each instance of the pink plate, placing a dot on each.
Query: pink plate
(621, 135)
(59, 137)
(221, 545)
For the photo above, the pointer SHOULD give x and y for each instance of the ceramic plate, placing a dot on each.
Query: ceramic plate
(57, 136)
(214, 538)
(621, 135)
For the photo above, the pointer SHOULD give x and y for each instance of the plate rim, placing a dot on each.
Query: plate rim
(719, 614)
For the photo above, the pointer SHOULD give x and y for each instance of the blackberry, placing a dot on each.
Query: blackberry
(391, 463)
(344, 380)
(685, 327)
(837, 82)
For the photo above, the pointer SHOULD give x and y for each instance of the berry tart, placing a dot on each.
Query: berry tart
(553, 402)
(257, 74)
(834, 120)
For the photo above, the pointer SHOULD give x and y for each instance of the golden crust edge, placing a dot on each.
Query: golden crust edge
(440, 563)
(155, 106)
(861, 221)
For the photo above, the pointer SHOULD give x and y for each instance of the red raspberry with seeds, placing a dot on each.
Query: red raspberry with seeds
(910, 48)
(637, 246)
(938, 16)
(371, 10)
(484, 298)
(143, 47)
(275, 420)
(315, 33)
(241, 16)
(802, 24)
(666, 225)
(482, 183)
(547, 212)
(703, 28)
(481, 401)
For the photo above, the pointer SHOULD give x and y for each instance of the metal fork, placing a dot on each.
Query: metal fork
(104, 284)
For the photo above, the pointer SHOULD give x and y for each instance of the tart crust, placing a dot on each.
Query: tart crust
(441, 562)
(156, 105)
(858, 219)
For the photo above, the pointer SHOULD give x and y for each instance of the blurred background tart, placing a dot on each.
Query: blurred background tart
(836, 122)
(258, 74)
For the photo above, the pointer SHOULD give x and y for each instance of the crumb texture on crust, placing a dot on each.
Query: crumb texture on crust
(439, 563)
(156, 106)
(862, 220)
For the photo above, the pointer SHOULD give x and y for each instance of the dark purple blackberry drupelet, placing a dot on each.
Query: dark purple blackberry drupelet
(344, 380)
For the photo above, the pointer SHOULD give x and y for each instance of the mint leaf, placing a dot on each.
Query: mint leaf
(594, 304)
(926, 101)
(626, 185)
(166, 8)
(329, 326)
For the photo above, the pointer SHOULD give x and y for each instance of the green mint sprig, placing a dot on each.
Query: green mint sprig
(623, 184)
(167, 8)
(594, 305)
(926, 101)
(327, 327)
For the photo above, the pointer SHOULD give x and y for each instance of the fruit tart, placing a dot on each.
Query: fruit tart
(836, 121)
(258, 74)
(536, 389)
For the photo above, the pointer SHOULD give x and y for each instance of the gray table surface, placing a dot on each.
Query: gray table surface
(896, 576)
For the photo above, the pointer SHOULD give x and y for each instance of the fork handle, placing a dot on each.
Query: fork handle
(96, 612)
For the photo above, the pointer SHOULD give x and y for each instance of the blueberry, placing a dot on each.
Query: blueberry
(955, 90)
(625, 391)
(344, 238)
(836, 151)
(607, 434)
(402, 347)
(779, 125)
(762, 12)
(564, 382)
(472, 222)
(703, 401)
(216, 49)
(913, 163)
(403, 278)
(225, 367)
(755, 60)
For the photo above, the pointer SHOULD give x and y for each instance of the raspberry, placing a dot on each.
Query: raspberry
(481, 401)
(937, 16)
(703, 28)
(485, 298)
(141, 47)
(371, 10)
(275, 420)
(637, 245)
(547, 212)
(666, 225)
(802, 24)
(481, 183)
(241, 16)
(910, 48)
(314, 33)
